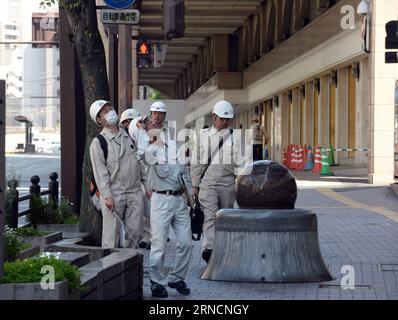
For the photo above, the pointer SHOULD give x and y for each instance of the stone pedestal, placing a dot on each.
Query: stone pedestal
(266, 245)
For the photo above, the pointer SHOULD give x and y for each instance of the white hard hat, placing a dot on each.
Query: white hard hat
(158, 106)
(129, 114)
(95, 109)
(223, 109)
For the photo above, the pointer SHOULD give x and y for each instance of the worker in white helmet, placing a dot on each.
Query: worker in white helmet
(168, 177)
(158, 112)
(213, 170)
(155, 122)
(126, 117)
(118, 175)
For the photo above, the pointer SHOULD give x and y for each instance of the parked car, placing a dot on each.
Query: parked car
(43, 145)
(40, 144)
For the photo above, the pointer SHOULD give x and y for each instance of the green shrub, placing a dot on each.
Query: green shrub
(66, 212)
(43, 212)
(29, 232)
(28, 271)
(12, 245)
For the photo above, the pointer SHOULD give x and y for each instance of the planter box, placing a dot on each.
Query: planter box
(58, 227)
(33, 291)
(77, 259)
(27, 253)
(114, 277)
(69, 231)
(42, 242)
(69, 245)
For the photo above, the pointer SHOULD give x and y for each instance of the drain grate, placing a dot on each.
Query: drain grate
(388, 267)
(325, 286)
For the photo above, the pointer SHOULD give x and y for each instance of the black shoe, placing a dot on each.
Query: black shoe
(158, 291)
(142, 245)
(206, 254)
(180, 286)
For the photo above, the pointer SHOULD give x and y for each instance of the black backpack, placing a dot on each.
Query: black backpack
(94, 192)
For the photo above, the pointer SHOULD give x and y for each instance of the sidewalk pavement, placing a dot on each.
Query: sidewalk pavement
(357, 226)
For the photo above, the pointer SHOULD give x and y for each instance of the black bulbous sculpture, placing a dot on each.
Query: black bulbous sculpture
(266, 184)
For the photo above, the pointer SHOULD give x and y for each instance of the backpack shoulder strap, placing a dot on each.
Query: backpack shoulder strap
(104, 145)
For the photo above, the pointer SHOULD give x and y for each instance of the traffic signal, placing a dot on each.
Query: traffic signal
(144, 54)
(392, 41)
(173, 18)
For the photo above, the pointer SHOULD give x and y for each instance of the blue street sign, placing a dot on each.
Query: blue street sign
(119, 4)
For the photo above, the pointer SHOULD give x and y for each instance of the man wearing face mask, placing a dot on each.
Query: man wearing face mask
(118, 176)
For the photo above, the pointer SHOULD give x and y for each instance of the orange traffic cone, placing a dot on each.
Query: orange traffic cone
(317, 160)
(293, 162)
(300, 163)
(284, 160)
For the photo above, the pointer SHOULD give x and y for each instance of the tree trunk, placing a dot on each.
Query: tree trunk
(82, 18)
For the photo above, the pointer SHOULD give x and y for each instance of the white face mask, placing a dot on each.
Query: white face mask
(111, 118)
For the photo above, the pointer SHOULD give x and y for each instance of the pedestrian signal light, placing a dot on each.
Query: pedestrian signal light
(144, 49)
(144, 54)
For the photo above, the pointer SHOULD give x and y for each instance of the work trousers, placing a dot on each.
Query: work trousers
(147, 221)
(166, 211)
(129, 207)
(211, 200)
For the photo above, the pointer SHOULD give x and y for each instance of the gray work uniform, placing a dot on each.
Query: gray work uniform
(168, 210)
(119, 177)
(217, 187)
(164, 136)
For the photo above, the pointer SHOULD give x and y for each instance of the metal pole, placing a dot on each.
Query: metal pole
(2, 170)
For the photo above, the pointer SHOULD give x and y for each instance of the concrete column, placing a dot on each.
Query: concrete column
(362, 113)
(284, 106)
(309, 113)
(134, 71)
(342, 114)
(296, 116)
(324, 112)
(382, 78)
(278, 150)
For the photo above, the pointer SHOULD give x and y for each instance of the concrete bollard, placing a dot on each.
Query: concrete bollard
(266, 245)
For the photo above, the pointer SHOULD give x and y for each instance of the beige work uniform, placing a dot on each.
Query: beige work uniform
(119, 177)
(217, 189)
